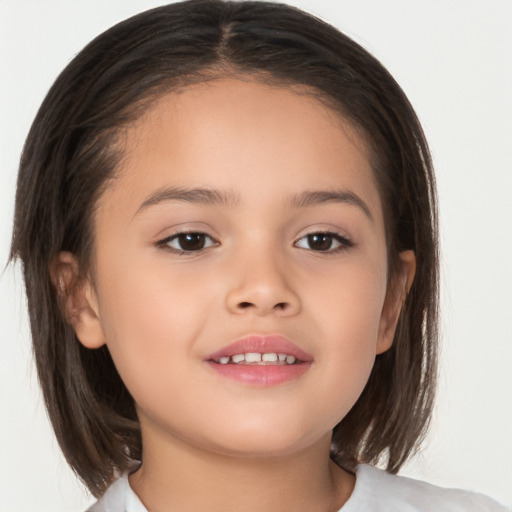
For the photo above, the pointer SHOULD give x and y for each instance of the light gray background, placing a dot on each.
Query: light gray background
(453, 59)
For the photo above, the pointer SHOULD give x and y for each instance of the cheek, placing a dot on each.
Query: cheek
(151, 315)
(347, 299)
(347, 309)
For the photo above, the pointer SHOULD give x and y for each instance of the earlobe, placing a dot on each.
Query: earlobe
(395, 298)
(77, 299)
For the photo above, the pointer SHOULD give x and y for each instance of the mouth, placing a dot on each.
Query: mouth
(261, 360)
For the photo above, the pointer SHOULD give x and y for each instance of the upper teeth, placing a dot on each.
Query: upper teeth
(258, 357)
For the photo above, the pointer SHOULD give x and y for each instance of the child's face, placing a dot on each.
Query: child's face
(255, 271)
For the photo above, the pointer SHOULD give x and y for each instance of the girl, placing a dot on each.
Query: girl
(256, 149)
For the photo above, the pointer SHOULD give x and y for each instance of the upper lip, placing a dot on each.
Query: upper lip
(264, 344)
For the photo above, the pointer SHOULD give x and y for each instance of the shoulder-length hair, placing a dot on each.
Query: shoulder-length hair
(71, 153)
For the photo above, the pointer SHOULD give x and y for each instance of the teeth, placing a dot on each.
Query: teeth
(237, 358)
(258, 358)
(252, 357)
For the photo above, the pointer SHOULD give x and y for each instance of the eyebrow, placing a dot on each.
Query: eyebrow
(314, 197)
(191, 195)
(228, 198)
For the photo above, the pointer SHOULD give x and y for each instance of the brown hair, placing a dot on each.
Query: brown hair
(70, 155)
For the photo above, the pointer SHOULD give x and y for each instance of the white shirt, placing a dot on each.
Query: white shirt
(375, 491)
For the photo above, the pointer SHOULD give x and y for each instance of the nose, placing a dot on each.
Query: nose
(262, 286)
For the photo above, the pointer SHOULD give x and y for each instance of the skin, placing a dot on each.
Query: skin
(211, 443)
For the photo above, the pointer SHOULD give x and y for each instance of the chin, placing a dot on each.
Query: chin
(254, 442)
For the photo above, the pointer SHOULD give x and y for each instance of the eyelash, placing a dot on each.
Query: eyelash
(344, 242)
(164, 244)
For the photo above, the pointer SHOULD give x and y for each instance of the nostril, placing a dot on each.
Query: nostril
(263, 307)
(246, 305)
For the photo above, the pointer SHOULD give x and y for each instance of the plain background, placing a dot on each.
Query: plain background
(452, 57)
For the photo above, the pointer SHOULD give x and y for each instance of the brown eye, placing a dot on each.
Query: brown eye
(320, 241)
(189, 242)
(324, 242)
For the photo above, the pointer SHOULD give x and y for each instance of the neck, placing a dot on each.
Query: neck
(176, 476)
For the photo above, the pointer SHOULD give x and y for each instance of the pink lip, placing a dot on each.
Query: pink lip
(261, 375)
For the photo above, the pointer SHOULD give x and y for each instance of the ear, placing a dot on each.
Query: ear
(395, 298)
(78, 300)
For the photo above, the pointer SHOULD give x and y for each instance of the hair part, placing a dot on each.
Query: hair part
(74, 148)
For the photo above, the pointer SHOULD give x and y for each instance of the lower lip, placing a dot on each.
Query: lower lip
(260, 375)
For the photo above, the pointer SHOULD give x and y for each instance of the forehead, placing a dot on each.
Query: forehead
(248, 107)
(245, 136)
